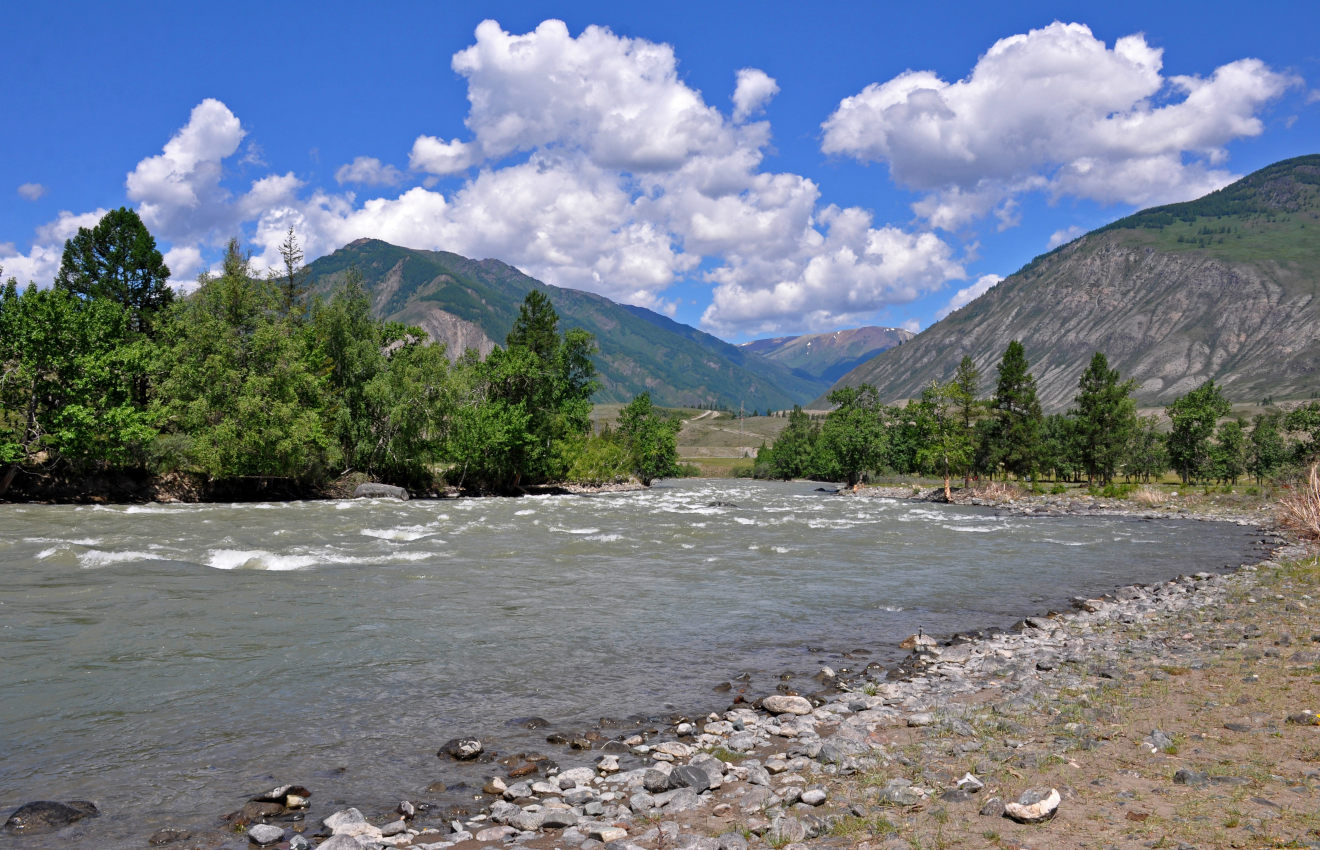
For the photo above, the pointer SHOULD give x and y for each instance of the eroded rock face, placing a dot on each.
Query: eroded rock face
(42, 816)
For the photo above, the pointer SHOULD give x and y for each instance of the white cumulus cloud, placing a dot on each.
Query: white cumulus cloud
(967, 295)
(1055, 109)
(368, 171)
(31, 191)
(753, 90)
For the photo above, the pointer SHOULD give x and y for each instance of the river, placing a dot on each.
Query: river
(168, 661)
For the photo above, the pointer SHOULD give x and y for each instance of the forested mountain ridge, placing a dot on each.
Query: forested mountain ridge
(1223, 287)
(832, 355)
(468, 303)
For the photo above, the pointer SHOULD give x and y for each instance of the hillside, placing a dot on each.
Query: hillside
(1223, 287)
(828, 356)
(472, 304)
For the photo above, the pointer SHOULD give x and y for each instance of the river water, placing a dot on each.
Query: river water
(169, 661)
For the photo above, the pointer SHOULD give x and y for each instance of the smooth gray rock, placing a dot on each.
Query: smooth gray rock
(655, 780)
(43, 816)
(814, 797)
(689, 776)
(781, 704)
(462, 749)
(558, 818)
(264, 834)
(683, 800)
(339, 842)
(787, 830)
(732, 841)
(379, 491)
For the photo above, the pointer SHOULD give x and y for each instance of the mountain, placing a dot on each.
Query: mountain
(828, 356)
(1223, 287)
(472, 304)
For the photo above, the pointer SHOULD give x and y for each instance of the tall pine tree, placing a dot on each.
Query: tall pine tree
(1015, 433)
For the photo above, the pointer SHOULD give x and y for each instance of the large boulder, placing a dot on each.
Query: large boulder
(379, 491)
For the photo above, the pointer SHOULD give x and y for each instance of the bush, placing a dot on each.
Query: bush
(1058, 488)
(1299, 509)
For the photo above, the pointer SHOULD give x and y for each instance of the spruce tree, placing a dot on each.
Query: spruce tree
(1106, 417)
(1016, 431)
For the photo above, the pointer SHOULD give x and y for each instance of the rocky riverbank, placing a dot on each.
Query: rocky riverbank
(1174, 714)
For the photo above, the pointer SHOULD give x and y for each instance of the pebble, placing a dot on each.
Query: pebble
(264, 834)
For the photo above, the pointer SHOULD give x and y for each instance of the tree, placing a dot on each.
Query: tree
(293, 284)
(239, 385)
(1228, 455)
(1016, 430)
(650, 439)
(1193, 417)
(66, 372)
(790, 455)
(537, 326)
(946, 445)
(967, 380)
(1266, 451)
(1106, 417)
(1147, 458)
(853, 435)
(118, 259)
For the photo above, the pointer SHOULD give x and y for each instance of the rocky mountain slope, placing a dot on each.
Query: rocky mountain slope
(1224, 287)
(829, 356)
(472, 304)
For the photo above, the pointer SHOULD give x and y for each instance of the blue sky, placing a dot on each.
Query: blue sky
(753, 169)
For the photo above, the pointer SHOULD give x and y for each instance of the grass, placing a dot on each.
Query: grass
(1299, 509)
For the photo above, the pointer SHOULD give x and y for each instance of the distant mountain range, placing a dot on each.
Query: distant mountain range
(472, 304)
(1223, 287)
(828, 356)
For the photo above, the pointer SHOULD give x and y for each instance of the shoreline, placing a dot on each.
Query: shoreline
(622, 799)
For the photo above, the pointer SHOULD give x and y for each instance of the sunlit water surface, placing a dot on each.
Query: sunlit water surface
(168, 661)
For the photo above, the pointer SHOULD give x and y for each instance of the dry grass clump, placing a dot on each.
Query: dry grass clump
(1149, 496)
(1298, 510)
(998, 491)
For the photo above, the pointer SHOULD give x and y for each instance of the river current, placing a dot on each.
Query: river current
(169, 661)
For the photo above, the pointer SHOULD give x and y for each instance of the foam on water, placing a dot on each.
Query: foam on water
(93, 558)
(403, 533)
(256, 559)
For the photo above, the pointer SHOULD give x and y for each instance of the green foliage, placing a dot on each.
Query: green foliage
(790, 456)
(854, 434)
(1193, 419)
(1106, 418)
(945, 447)
(1147, 456)
(1015, 433)
(67, 368)
(1228, 455)
(235, 378)
(649, 439)
(1267, 452)
(117, 260)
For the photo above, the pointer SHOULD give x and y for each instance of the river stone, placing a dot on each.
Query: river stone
(558, 818)
(683, 800)
(655, 780)
(606, 833)
(733, 841)
(339, 842)
(787, 830)
(1035, 806)
(48, 816)
(379, 491)
(757, 775)
(689, 776)
(462, 749)
(781, 704)
(351, 823)
(527, 821)
(169, 835)
(264, 834)
(495, 833)
(576, 776)
(1184, 776)
(742, 741)
(813, 797)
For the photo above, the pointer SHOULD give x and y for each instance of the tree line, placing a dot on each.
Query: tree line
(949, 432)
(251, 378)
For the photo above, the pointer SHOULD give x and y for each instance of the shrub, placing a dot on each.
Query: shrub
(1299, 509)
(1149, 496)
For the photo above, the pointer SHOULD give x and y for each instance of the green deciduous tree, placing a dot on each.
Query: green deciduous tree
(1147, 457)
(1267, 451)
(791, 454)
(650, 440)
(1106, 417)
(853, 436)
(66, 372)
(945, 447)
(1193, 418)
(1228, 455)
